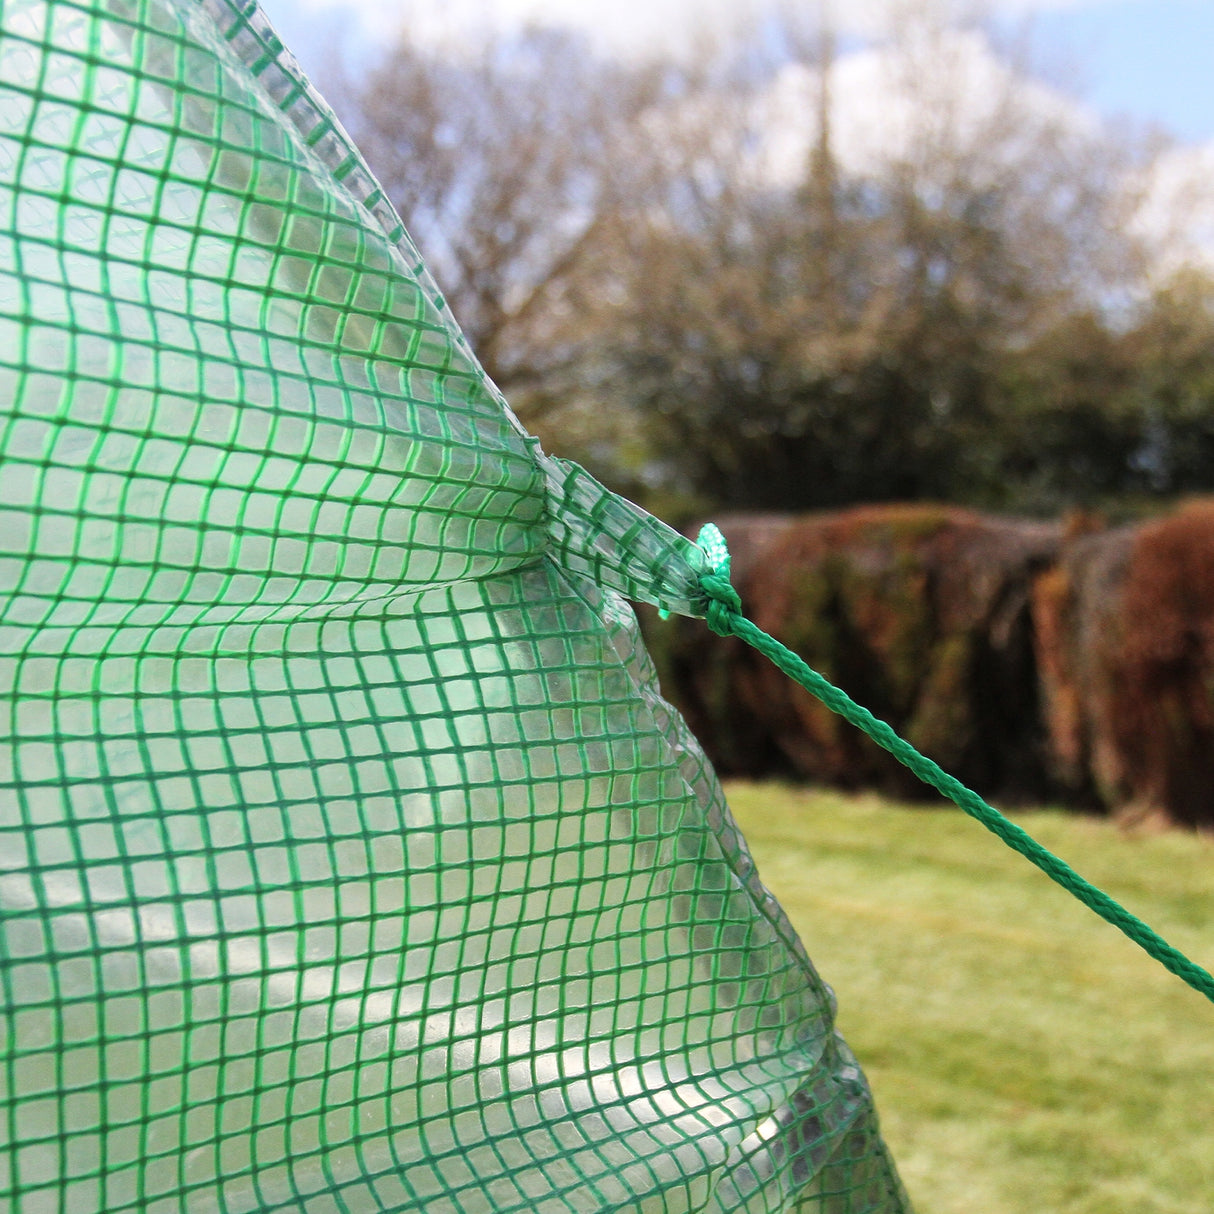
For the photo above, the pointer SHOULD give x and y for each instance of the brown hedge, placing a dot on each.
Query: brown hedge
(1034, 660)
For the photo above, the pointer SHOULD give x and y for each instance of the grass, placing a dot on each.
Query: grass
(1026, 1057)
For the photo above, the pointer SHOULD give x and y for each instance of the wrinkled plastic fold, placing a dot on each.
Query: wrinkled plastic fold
(349, 858)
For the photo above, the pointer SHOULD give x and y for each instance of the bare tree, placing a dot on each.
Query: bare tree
(508, 160)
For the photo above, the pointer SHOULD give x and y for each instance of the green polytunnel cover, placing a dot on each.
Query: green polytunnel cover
(349, 858)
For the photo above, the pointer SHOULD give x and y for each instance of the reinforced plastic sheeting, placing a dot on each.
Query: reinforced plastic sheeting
(349, 859)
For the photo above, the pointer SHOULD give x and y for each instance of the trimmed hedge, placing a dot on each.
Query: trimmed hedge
(1034, 660)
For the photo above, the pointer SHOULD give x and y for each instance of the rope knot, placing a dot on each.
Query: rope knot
(724, 604)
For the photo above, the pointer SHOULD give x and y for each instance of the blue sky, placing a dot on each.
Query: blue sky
(1152, 60)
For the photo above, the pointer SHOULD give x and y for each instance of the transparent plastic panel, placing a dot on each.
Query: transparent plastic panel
(349, 857)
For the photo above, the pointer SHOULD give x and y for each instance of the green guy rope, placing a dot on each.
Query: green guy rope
(723, 614)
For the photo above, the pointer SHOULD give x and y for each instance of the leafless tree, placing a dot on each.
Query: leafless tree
(508, 159)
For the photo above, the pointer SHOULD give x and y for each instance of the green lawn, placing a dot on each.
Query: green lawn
(1026, 1057)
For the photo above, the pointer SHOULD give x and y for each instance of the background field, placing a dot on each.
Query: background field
(1026, 1058)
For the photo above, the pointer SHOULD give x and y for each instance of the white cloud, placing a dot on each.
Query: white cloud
(622, 26)
(887, 106)
(1177, 211)
(619, 26)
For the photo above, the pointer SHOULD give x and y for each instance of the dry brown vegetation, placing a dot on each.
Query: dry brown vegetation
(1033, 660)
(1125, 628)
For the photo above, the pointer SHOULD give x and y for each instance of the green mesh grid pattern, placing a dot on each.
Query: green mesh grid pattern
(349, 858)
